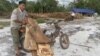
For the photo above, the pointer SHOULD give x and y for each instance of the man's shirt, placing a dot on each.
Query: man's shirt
(17, 14)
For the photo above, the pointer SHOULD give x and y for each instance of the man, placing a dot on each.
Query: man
(73, 15)
(17, 19)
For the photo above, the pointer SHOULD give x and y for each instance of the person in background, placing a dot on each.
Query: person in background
(73, 15)
(18, 18)
(95, 15)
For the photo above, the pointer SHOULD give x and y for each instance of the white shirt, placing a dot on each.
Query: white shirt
(17, 14)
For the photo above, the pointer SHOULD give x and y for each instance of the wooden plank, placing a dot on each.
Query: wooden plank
(34, 53)
(44, 50)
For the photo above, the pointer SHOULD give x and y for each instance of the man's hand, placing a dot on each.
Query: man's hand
(17, 21)
(25, 21)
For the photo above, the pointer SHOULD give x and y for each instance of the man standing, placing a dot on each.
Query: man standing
(17, 19)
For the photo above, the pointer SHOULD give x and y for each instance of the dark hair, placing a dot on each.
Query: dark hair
(22, 2)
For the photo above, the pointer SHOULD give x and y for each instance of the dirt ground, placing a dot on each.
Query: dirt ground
(82, 33)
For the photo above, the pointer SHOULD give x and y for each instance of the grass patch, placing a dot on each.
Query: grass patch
(40, 20)
(4, 24)
(1, 27)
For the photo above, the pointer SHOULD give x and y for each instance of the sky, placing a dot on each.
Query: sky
(64, 2)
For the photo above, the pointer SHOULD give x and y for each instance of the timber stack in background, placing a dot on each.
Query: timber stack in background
(56, 15)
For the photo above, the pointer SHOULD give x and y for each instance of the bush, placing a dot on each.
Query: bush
(40, 20)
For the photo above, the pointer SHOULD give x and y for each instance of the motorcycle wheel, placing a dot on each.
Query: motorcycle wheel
(64, 41)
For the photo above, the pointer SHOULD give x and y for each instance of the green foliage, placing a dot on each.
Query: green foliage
(3, 24)
(44, 6)
(40, 20)
(30, 6)
(41, 6)
(1, 27)
(49, 5)
(5, 7)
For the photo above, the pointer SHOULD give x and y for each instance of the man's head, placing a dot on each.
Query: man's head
(22, 5)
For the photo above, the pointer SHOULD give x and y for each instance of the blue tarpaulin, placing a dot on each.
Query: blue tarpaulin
(83, 10)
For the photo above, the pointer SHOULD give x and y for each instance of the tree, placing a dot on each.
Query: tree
(24, 1)
(44, 6)
(30, 7)
(5, 6)
(49, 5)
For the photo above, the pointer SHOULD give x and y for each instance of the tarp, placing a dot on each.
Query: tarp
(83, 10)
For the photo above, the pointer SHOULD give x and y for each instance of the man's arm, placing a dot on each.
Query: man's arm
(25, 21)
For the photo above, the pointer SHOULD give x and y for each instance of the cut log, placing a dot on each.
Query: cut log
(37, 33)
(29, 43)
(36, 41)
